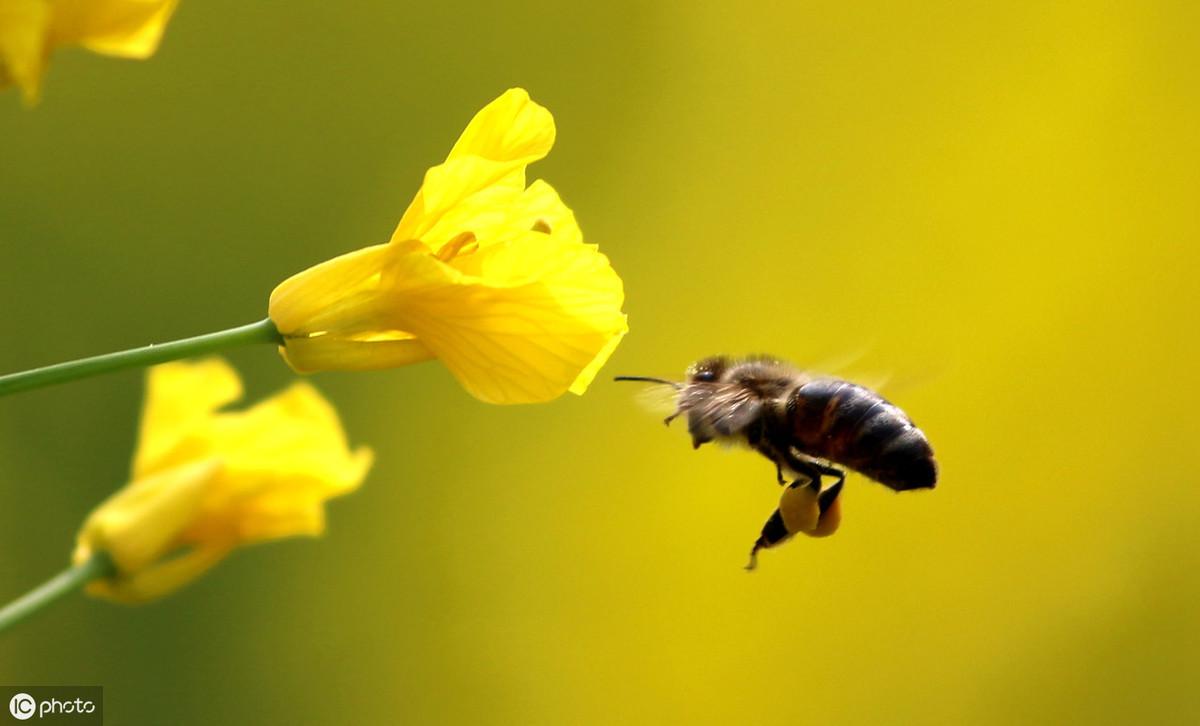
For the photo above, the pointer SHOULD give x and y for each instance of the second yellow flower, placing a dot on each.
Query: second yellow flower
(487, 275)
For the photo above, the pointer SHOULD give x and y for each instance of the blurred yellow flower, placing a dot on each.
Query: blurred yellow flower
(31, 29)
(205, 482)
(488, 276)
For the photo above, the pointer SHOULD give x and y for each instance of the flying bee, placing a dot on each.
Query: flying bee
(807, 426)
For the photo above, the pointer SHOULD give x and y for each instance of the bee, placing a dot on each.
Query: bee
(807, 426)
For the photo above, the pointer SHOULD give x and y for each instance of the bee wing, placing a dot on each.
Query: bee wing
(727, 408)
(848, 366)
(878, 382)
(885, 381)
(660, 400)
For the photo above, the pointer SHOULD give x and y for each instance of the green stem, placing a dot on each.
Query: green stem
(263, 331)
(64, 582)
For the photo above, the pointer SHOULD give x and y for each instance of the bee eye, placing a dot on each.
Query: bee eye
(707, 370)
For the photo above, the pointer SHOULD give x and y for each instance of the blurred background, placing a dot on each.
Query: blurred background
(992, 206)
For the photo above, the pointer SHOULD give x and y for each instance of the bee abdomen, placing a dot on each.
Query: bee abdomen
(855, 427)
(905, 460)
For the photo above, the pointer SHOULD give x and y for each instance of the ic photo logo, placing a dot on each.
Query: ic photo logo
(76, 705)
(22, 706)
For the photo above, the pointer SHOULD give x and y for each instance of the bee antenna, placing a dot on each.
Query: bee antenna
(647, 379)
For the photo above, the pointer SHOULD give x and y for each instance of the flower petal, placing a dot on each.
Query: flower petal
(124, 28)
(161, 579)
(533, 322)
(179, 397)
(510, 128)
(320, 297)
(23, 27)
(508, 134)
(281, 459)
(296, 433)
(257, 505)
(141, 523)
(580, 385)
(541, 208)
(493, 217)
(333, 352)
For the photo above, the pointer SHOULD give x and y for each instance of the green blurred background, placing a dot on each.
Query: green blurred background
(994, 204)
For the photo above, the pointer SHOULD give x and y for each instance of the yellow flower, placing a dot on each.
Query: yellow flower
(483, 273)
(31, 29)
(205, 482)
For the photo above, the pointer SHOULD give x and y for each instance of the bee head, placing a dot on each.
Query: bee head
(707, 370)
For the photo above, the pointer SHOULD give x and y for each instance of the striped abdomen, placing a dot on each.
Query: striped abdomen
(855, 427)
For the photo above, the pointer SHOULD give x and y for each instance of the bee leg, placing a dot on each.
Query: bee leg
(815, 469)
(811, 472)
(831, 471)
(775, 458)
(753, 563)
(812, 481)
(774, 532)
(826, 498)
